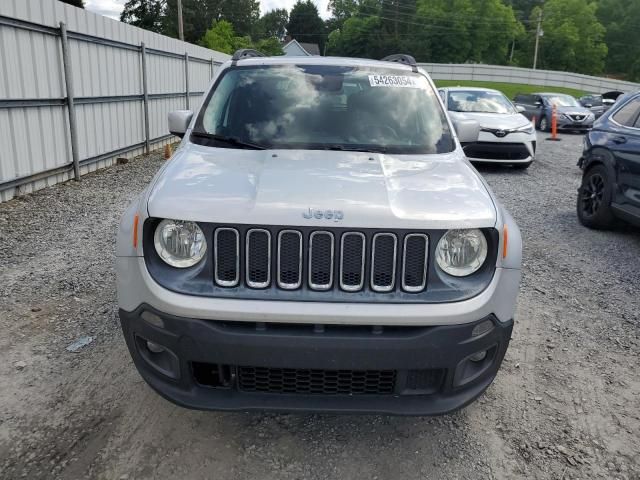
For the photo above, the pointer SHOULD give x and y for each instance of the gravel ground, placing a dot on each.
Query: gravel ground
(566, 404)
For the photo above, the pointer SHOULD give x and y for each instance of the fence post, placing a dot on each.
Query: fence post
(145, 98)
(68, 80)
(186, 77)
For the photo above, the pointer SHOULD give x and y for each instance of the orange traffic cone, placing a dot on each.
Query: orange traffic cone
(554, 124)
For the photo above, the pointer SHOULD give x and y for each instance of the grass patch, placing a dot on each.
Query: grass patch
(509, 89)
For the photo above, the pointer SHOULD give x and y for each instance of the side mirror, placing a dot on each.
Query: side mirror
(468, 131)
(179, 121)
(587, 105)
(520, 109)
(538, 104)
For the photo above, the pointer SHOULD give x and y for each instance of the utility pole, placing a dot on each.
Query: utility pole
(513, 49)
(538, 35)
(180, 27)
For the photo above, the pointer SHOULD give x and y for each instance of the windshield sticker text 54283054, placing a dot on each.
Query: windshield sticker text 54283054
(397, 81)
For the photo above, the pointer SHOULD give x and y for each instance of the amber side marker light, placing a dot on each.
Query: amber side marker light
(505, 241)
(136, 220)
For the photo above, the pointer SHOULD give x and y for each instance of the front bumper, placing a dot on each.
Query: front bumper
(500, 152)
(206, 364)
(564, 124)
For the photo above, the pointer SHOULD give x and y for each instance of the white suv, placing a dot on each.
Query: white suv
(318, 241)
(506, 135)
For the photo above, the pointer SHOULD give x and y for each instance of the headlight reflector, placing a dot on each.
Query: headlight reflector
(461, 252)
(529, 129)
(180, 243)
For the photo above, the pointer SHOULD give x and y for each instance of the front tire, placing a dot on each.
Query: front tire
(543, 124)
(594, 199)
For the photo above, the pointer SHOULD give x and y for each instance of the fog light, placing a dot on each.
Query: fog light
(153, 319)
(154, 347)
(482, 328)
(478, 357)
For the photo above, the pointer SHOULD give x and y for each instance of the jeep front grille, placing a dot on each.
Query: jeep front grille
(226, 244)
(289, 259)
(414, 262)
(258, 258)
(320, 260)
(383, 262)
(352, 260)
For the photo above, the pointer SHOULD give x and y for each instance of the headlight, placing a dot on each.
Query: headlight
(461, 252)
(181, 244)
(528, 129)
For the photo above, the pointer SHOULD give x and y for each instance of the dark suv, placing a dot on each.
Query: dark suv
(571, 115)
(610, 187)
(595, 103)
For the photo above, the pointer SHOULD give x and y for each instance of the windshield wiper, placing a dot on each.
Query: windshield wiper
(348, 148)
(229, 140)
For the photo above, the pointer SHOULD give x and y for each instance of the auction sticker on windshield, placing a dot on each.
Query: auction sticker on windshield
(401, 81)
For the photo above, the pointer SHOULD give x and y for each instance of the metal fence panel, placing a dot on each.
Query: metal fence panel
(105, 59)
(527, 76)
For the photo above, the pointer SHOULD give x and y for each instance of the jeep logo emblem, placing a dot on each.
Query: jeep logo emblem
(335, 215)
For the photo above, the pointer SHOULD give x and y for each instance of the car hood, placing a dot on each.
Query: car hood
(574, 110)
(494, 120)
(278, 187)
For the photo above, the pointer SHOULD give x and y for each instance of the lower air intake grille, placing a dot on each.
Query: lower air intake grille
(321, 382)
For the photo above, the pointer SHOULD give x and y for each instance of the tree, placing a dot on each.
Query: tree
(198, 16)
(242, 14)
(522, 8)
(358, 37)
(273, 24)
(145, 14)
(573, 38)
(269, 46)
(341, 10)
(620, 19)
(75, 3)
(221, 37)
(305, 24)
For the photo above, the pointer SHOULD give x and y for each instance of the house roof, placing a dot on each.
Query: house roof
(311, 48)
(308, 49)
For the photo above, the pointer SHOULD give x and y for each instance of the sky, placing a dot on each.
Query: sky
(112, 8)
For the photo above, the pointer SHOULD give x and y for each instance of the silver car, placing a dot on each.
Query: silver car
(318, 241)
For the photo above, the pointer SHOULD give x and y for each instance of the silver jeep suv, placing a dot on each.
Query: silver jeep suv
(319, 242)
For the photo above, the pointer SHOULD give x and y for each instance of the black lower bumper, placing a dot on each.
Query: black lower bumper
(218, 365)
(496, 151)
(574, 126)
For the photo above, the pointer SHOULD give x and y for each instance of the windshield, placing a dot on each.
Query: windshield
(561, 100)
(324, 107)
(479, 101)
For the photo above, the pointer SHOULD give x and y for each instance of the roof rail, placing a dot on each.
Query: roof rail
(402, 58)
(245, 53)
